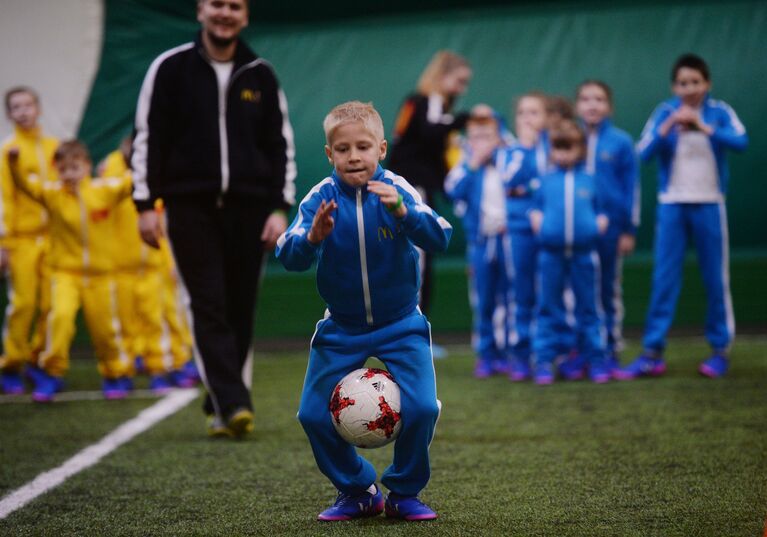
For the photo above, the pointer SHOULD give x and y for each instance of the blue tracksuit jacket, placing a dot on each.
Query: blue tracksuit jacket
(703, 224)
(367, 273)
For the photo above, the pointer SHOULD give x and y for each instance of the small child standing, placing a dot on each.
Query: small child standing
(611, 159)
(566, 219)
(690, 135)
(475, 185)
(362, 225)
(81, 229)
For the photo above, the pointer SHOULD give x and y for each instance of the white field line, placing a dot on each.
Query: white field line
(147, 418)
(79, 396)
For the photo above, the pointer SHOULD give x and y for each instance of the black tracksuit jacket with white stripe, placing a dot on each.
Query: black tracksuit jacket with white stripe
(182, 131)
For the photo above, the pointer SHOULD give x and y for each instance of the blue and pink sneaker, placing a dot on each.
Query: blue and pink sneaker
(643, 366)
(408, 508)
(159, 385)
(118, 388)
(46, 386)
(519, 370)
(349, 506)
(12, 383)
(483, 369)
(599, 373)
(544, 374)
(612, 363)
(714, 367)
(573, 367)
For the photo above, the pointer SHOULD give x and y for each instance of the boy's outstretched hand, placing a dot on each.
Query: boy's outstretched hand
(390, 197)
(323, 222)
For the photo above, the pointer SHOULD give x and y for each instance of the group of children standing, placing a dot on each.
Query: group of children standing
(549, 218)
(71, 241)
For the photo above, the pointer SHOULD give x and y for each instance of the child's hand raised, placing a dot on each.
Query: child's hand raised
(323, 222)
(13, 156)
(390, 197)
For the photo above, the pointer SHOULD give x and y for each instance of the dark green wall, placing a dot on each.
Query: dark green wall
(324, 57)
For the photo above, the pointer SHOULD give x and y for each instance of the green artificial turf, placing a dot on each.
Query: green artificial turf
(675, 456)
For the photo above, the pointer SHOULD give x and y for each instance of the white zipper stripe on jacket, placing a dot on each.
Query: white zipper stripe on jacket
(363, 258)
(222, 129)
(591, 154)
(569, 211)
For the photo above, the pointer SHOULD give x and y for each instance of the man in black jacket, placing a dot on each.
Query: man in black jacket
(214, 142)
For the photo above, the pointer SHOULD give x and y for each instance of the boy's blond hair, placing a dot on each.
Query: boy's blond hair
(351, 112)
(442, 63)
(71, 149)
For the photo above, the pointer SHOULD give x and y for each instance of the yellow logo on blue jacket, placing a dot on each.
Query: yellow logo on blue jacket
(384, 233)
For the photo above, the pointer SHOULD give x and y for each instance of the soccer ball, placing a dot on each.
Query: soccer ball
(365, 408)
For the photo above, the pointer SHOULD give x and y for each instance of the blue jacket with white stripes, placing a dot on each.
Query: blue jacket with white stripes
(463, 186)
(729, 133)
(526, 166)
(612, 161)
(367, 270)
(570, 206)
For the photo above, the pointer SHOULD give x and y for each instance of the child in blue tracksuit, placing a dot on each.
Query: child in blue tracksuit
(567, 222)
(475, 186)
(612, 160)
(690, 135)
(362, 225)
(528, 160)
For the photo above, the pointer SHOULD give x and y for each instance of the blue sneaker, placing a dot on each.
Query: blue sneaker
(12, 383)
(46, 386)
(573, 367)
(714, 367)
(159, 385)
(349, 506)
(500, 367)
(190, 370)
(519, 369)
(544, 374)
(482, 369)
(643, 366)
(116, 388)
(408, 508)
(180, 378)
(599, 373)
(612, 363)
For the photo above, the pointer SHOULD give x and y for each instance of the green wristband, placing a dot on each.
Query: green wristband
(396, 205)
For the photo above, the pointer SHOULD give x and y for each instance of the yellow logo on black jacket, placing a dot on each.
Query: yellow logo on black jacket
(249, 95)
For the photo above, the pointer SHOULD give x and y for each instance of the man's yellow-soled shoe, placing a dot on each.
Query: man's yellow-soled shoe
(217, 428)
(240, 422)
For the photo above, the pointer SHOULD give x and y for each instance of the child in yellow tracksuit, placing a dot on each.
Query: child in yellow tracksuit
(138, 282)
(23, 236)
(82, 228)
(146, 304)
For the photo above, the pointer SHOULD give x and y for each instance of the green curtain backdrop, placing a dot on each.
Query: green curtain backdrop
(324, 57)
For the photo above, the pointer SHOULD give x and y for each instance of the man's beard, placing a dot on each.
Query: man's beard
(220, 42)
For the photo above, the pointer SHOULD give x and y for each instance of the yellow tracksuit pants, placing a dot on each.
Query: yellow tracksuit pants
(28, 297)
(175, 323)
(139, 307)
(96, 295)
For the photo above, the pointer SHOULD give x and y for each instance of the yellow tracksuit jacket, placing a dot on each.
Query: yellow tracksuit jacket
(24, 234)
(82, 231)
(138, 276)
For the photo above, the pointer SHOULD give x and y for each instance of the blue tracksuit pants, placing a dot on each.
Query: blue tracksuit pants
(611, 288)
(524, 254)
(490, 271)
(581, 270)
(705, 224)
(405, 347)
